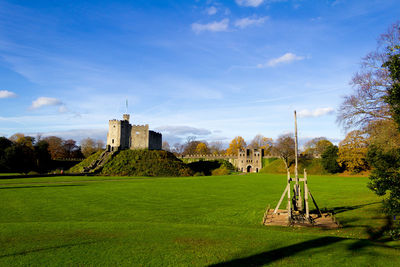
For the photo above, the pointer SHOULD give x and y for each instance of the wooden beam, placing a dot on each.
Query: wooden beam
(306, 195)
(280, 200)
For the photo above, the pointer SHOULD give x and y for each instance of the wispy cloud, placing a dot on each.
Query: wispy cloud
(211, 10)
(7, 94)
(46, 101)
(315, 113)
(183, 130)
(78, 134)
(245, 22)
(216, 26)
(286, 58)
(252, 3)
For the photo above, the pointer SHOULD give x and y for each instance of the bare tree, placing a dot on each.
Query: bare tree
(100, 145)
(370, 85)
(88, 146)
(216, 147)
(284, 147)
(261, 142)
(316, 146)
(166, 146)
(178, 148)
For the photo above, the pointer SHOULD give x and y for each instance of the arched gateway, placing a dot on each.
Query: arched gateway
(249, 168)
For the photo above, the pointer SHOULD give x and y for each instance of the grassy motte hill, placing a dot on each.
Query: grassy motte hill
(146, 163)
(313, 166)
(78, 168)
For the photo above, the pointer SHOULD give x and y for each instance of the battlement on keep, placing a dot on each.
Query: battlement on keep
(123, 135)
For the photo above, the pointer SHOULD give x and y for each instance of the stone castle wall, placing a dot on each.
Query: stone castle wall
(140, 136)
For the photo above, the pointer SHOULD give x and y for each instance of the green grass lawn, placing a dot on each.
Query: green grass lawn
(197, 221)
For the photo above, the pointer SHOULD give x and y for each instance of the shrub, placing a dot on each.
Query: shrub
(207, 167)
(220, 171)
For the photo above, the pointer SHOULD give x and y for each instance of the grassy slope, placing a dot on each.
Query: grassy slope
(181, 221)
(313, 166)
(78, 168)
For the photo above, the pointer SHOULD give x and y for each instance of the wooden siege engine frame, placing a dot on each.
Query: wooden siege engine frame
(297, 212)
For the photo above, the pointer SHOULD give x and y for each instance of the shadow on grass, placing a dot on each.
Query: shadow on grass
(39, 186)
(45, 249)
(348, 208)
(280, 253)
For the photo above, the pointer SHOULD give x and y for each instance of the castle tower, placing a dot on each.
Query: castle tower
(119, 134)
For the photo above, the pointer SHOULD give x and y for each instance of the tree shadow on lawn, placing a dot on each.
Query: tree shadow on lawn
(39, 186)
(280, 253)
(22, 253)
(269, 257)
(341, 209)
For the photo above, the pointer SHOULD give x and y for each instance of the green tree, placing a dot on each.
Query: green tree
(385, 177)
(329, 159)
(393, 95)
(42, 156)
(4, 144)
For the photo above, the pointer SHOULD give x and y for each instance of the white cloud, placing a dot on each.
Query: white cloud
(211, 10)
(7, 94)
(45, 101)
(286, 58)
(245, 22)
(253, 3)
(315, 113)
(216, 26)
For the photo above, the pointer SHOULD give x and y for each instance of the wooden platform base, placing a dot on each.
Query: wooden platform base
(281, 218)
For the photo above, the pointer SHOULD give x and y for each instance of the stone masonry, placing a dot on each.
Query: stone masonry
(122, 135)
(250, 160)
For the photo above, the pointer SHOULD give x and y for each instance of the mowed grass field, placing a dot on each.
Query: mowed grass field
(197, 221)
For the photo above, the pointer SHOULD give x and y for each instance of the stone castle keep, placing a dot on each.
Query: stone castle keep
(122, 135)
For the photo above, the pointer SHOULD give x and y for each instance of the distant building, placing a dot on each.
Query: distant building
(250, 160)
(122, 135)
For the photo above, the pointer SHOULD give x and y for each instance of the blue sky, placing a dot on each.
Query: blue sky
(211, 69)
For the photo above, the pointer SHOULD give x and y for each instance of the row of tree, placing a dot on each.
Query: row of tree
(350, 155)
(23, 154)
(282, 147)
